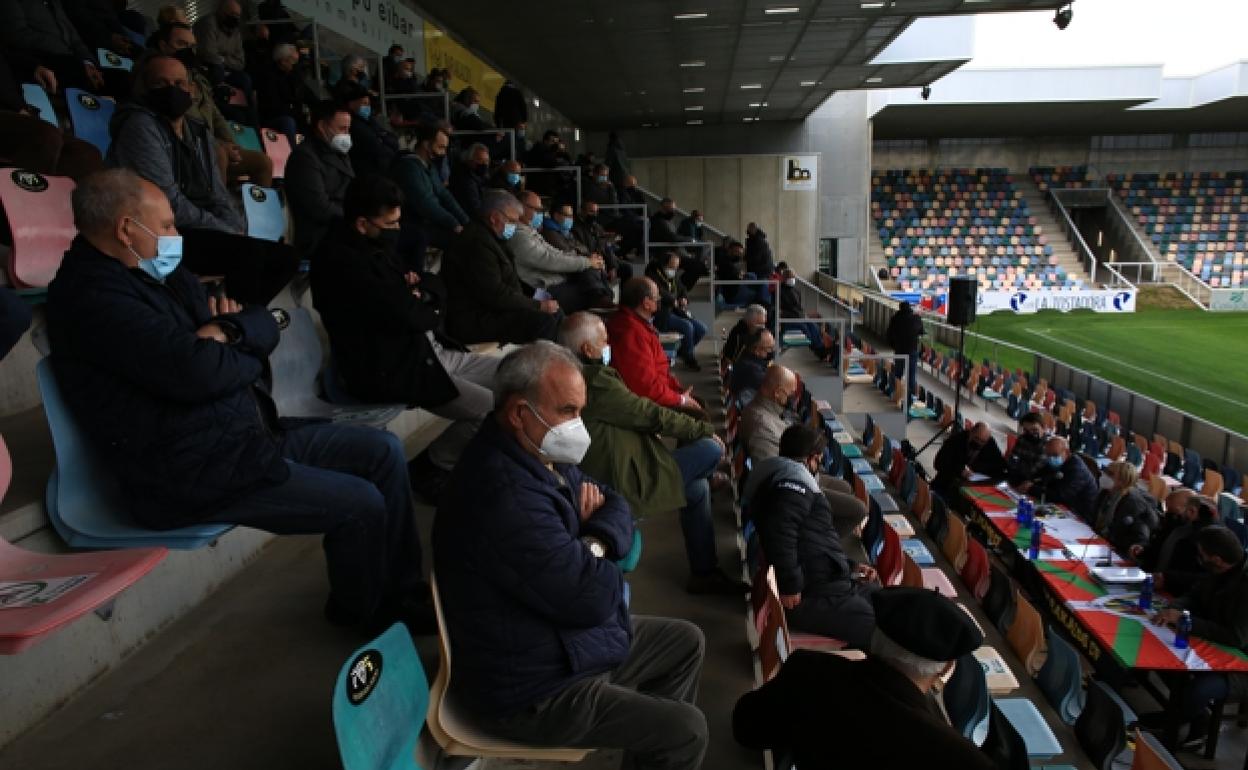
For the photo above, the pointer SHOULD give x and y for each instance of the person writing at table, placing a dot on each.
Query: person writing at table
(1172, 555)
(1218, 603)
(1124, 514)
(1067, 480)
(966, 453)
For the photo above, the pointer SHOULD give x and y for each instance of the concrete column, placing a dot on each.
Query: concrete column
(840, 131)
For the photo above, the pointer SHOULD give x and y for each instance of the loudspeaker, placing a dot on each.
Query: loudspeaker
(962, 301)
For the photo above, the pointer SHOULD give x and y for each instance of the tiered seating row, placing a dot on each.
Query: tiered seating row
(1060, 177)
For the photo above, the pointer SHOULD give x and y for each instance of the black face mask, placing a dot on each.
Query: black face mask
(387, 239)
(667, 214)
(169, 102)
(230, 22)
(974, 446)
(188, 57)
(590, 218)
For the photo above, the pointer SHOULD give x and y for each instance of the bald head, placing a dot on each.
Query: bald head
(585, 335)
(1177, 500)
(640, 294)
(779, 384)
(111, 210)
(1056, 446)
(980, 434)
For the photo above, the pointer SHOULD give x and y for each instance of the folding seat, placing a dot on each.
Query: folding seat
(278, 148)
(1026, 635)
(380, 702)
(36, 97)
(90, 116)
(246, 137)
(1099, 727)
(108, 60)
(266, 219)
(41, 223)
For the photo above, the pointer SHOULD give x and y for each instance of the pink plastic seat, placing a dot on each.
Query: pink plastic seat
(277, 147)
(41, 222)
(40, 592)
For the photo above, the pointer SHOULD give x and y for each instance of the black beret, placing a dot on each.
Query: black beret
(925, 623)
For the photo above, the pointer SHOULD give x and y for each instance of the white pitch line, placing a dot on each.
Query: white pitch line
(1140, 369)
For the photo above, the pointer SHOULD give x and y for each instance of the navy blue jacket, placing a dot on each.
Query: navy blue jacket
(175, 416)
(529, 609)
(1072, 485)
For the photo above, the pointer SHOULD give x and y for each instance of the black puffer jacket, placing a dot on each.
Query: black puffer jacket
(177, 417)
(798, 536)
(1131, 522)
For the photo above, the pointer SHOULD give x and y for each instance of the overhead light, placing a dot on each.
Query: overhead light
(871, 6)
(693, 122)
(694, 108)
(691, 15)
(782, 9)
(695, 63)
(695, 90)
(775, 58)
(537, 102)
(1063, 16)
(808, 83)
(756, 105)
(926, 93)
(576, 134)
(751, 86)
(749, 120)
(875, 80)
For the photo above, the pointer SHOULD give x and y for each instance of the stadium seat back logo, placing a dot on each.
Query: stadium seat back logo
(113, 59)
(362, 676)
(1017, 301)
(88, 101)
(270, 134)
(30, 181)
(236, 128)
(258, 194)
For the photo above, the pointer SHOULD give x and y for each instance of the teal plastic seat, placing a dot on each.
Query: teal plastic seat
(246, 137)
(85, 501)
(630, 560)
(90, 115)
(265, 218)
(1025, 718)
(381, 698)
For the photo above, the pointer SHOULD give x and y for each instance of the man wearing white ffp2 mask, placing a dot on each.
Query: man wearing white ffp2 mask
(524, 533)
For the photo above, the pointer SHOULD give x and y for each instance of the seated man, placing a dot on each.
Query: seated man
(1025, 464)
(592, 238)
(178, 40)
(317, 175)
(373, 146)
(391, 347)
(674, 315)
(965, 453)
(1171, 554)
(600, 190)
(823, 591)
(758, 258)
(638, 354)
(41, 32)
(524, 550)
(732, 268)
(1067, 480)
(485, 302)
(507, 177)
(281, 93)
(755, 318)
(166, 383)
(434, 218)
(575, 281)
(31, 142)
(470, 178)
(884, 716)
(152, 136)
(627, 452)
(751, 366)
(221, 44)
(1218, 603)
(791, 307)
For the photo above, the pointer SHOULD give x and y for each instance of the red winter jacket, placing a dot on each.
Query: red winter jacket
(638, 356)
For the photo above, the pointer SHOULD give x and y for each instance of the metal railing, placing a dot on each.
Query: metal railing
(1094, 266)
(1138, 412)
(656, 198)
(838, 307)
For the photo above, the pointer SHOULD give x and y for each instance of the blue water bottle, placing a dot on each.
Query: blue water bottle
(1037, 532)
(1025, 511)
(1183, 631)
(1146, 593)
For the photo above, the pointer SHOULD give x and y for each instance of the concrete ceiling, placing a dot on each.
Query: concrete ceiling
(618, 63)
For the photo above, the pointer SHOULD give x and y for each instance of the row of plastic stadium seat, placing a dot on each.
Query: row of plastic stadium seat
(1060, 177)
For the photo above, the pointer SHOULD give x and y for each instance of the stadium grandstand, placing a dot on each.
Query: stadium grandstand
(717, 384)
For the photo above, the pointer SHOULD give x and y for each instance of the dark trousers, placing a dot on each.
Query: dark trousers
(518, 326)
(255, 270)
(581, 290)
(645, 706)
(350, 483)
(847, 616)
(691, 328)
(697, 462)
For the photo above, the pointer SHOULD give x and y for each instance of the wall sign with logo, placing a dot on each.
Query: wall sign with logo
(1228, 300)
(466, 69)
(799, 172)
(1065, 300)
(374, 24)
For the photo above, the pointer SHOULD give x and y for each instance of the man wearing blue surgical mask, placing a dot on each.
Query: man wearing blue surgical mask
(166, 384)
(373, 146)
(1067, 480)
(525, 550)
(577, 281)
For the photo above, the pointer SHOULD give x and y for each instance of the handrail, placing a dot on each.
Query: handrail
(1125, 217)
(511, 136)
(1090, 262)
(705, 226)
(875, 276)
(849, 310)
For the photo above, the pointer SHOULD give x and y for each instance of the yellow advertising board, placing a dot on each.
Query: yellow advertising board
(466, 70)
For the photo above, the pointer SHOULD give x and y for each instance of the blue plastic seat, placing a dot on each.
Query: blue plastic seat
(1024, 717)
(1099, 726)
(35, 96)
(106, 59)
(85, 501)
(265, 217)
(90, 115)
(380, 701)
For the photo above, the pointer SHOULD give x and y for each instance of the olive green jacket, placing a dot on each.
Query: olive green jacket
(625, 451)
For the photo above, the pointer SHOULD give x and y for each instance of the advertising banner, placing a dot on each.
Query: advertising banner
(1065, 300)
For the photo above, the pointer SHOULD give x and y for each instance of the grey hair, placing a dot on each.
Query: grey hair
(520, 373)
(577, 329)
(283, 50)
(473, 149)
(892, 653)
(499, 200)
(755, 311)
(352, 59)
(102, 198)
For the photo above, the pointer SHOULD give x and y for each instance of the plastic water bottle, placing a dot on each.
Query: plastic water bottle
(1146, 593)
(1183, 631)
(1037, 532)
(1026, 510)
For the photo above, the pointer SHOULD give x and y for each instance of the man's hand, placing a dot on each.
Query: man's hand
(93, 75)
(457, 229)
(262, 32)
(597, 262)
(222, 306)
(683, 302)
(235, 154)
(592, 499)
(550, 306)
(212, 332)
(1023, 486)
(1167, 617)
(1134, 552)
(866, 574)
(46, 78)
(790, 600)
(966, 473)
(412, 277)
